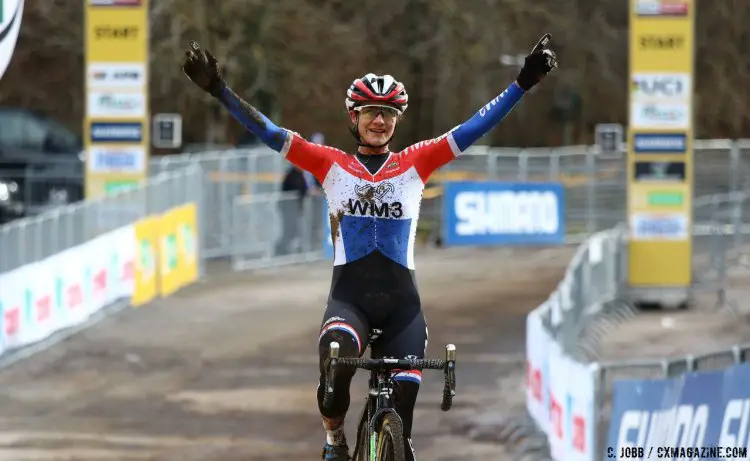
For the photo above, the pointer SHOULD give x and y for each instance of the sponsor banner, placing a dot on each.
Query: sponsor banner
(131, 75)
(660, 115)
(169, 271)
(147, 242)
(656, 171)
(186, 217)
(117, 102)
(559, 391)
(661, 81)
(116, 132)
(706, 410)
(659, 226)
(497, 213)
(167, 253)
(117, 35)
(571, 408)
(11, 13)
(659, 197)
(13, 286)
(106, 159)
(664, 8)
(114, 2)
(72, 288)
(657, 45)
(656, 86)
(63, 290)
(660, 143)
(110, 104)
(538, 341)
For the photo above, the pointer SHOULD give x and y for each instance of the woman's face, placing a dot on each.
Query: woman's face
(376, 124)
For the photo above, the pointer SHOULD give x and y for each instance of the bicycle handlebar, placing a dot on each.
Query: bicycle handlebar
(391, 364)
(448, 365)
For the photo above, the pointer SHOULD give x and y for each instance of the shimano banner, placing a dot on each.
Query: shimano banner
(708, 412)
(497, 213)
(11, 12)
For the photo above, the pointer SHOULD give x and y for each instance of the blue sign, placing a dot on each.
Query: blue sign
(327, 238)
(707, 410)
(498, 213)
(660, 143)
(130, 132)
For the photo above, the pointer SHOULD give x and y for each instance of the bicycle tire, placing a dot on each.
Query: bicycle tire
(390, 445)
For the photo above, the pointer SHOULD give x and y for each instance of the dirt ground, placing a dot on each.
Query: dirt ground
(226, 369)
(706, 326)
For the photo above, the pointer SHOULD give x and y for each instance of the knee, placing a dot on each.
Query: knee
(348, 347)
(344, 334)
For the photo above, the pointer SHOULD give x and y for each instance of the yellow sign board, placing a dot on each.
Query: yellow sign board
(146, 273)
(187, 243)
(169, 267)
(116, 137)
(178, 248)
(660, 159)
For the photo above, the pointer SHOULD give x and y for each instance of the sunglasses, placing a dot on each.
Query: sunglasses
(372, 112)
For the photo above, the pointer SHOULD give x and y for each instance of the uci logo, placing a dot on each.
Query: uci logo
(661, 85)
(370, 201)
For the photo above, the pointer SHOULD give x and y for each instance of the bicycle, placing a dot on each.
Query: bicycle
(380, 430)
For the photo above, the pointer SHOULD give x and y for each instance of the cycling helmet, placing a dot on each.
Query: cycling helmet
(374, 90)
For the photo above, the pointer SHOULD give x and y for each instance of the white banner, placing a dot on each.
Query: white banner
(560, 392)
(72, 282)
(571, 408)
(63, 290)
(537, 369)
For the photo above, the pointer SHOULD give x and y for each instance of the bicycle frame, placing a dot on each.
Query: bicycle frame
(377, 402)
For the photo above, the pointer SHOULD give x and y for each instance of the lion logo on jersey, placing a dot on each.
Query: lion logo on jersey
(369, 192)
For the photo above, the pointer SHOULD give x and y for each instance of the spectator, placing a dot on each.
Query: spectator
(291, 210)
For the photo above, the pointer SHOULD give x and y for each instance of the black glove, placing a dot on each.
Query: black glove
(537, 64)
(201, 67)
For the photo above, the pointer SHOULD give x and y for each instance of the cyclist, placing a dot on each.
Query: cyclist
(373, 198)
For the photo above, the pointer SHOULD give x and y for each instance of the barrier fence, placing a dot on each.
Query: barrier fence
(594, 184)
(579, 408)
(64, 266)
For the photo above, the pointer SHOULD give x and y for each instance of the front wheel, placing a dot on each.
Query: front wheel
(390, 441)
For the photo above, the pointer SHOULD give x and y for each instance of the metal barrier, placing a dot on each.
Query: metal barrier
(276, 228)
(587, 303)
(594, 184)
(588, 291)
(34, 238)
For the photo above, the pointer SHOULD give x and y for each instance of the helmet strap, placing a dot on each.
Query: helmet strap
(354, 130)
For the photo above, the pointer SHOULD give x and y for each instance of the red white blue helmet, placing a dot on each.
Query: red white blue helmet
(377, 90)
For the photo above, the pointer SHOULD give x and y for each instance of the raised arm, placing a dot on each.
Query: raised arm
(202, 69)
(253, 120)
(537, 64)
(429, 156)
(487, 117)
